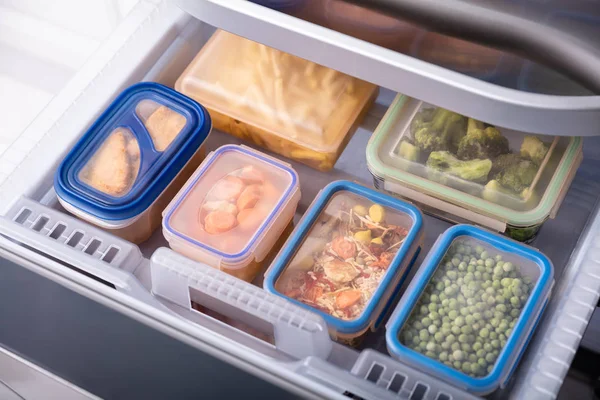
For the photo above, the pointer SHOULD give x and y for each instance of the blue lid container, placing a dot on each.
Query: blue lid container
(480, 314)
(348, 256)
(131, 154)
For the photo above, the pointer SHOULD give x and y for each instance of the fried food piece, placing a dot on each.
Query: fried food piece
(110, 171)
(347, 298)
(343, 248)
(340, 271)
(249, 197)
(163, 126)
(251, 175)
(220, 205)
(219, 222)
(228, 188)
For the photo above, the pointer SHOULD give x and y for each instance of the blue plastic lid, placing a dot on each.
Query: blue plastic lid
(412, 222)
(275, 181)
(132, 152)
(520, 334)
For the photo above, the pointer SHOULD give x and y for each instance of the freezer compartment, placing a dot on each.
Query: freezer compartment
(160, 50)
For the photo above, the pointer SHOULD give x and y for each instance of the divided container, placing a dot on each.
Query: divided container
(233, 210)
(441, 269)
(400, 167)
(130, 163)
(326, 264)
(283, 103)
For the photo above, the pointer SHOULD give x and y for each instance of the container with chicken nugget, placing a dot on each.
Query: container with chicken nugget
(348, 257)
(233, 210)
(133, 160)
(283, 103)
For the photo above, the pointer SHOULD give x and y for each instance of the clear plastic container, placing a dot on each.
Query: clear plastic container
(131, 162)
(463, 170)
(283, 103)
(233, 210)
(471, 309)
(348, 257)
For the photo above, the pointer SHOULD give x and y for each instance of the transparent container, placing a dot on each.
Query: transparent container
(348, 257)
(233, 210)
(462, 170)
(471, 309)
(283, 103)
(133, 160)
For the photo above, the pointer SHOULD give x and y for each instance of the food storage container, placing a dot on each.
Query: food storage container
(233, 210)
(471, 309)
(463, 170)
(348, 257)
(284, 5)
(283, 103)
(133, 159)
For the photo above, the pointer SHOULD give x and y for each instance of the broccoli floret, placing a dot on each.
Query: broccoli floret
(519, 176)
(525, 235)
(445, 163)
(493, 192)
(408, 151)
(481, 143)
(438, 129)
(534, 149)
(503, 161)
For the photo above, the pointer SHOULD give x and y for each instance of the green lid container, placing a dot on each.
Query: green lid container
(463, 170)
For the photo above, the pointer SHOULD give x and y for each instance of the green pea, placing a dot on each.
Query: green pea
(495, 344)
(482, 362)
(434, 315)
(456, 330)
(455, 261)
(466, 347)
(445, 346)
(452, 314)
(480, 353)
(443, 356)
(431, 346)
(455, 346)
(490, 262)
(484, 333)
(424, 334)
(426, 321)
(457, 364)
(451, 338)
(460, 321)
(508, 267)
(432, 329)
(489, 357)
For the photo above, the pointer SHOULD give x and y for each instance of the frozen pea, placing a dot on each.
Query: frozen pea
(418, 325)
(438, 337)
(455, 346)
(432, 329)
(422, 346)
(450, 338)
(486, 276)
(494, 322)
(487, 347)
(479, 249)
(449, 291)
(508, 332)
(476, 315)
(471, 268)
(523, 299)
(485, 296)
(476, 326)
(498, 257)
(508, 267)
(484, 254)
(493, 335)
(426, 321)
(502, 343)
(489, 357)
(501, 307)
(472, 358)
(484, 333)
(490, 262)
(433, 298)
(490, 290)
(424, 334)
(432, 306)
(464, 311)
(496, 284)
(515, 302)
(460, 321)
(457, 364)
(434, 315)
(500, 299)
(490, 368)
(439, 286)
(415, 340)
(466, 329)
(443, 356)
(482, 362)
(462, 338)
(455, 261)
(495, 343)
(442, 296)
(477, 274)
(442, 311)
(423, 309)
(431, 346)
(475, 368)
(455, 330)
(491, 300)
(480, 263)
(506, 282)
(445, 346)
(452, 314)
(466, 347)
(446, 319)
(488, 314)
(480, 353)
(469, 319)
(430, 354)
(503, 326)
(466, 367)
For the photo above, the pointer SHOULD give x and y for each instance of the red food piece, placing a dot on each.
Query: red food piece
(343, 248)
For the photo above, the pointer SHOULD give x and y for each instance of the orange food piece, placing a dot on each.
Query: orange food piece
(227, 188)
(249, 197)
(347, 298)
(343, 248)
(244, 214)
(220, 205)
(219, 222)
(253, 218)
(251, 175)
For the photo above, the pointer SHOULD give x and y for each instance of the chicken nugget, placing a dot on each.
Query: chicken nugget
(110, 171)
(164, 125)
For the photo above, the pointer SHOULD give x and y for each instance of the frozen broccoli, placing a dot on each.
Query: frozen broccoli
(446, 163)
(503, 161)
(534, 149)
(481, 142)
(519, 176)
(438, 129)
(408, 151)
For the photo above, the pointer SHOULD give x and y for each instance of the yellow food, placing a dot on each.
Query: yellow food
(377, 213)
(359, 209)
(377, 240)
(363, 236)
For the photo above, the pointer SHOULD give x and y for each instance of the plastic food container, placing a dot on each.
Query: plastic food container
(233, 210)
(481, 296)
(463, 170)
(281, 102)
(348, 257)
(133, 160)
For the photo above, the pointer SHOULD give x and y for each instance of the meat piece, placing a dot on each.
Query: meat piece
(340, 271)
(219, 222)
(347, 298)
(343, 248)
(249, 197)
(220, 205)
(313, 294)
(163, 126)
(110, 170)
(251, 175)
(227, 188)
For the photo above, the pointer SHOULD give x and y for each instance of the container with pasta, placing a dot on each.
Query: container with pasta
(134, 158)
(233, 210)
(283, 103)
(348, 257)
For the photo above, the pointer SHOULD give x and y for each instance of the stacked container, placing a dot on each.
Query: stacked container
(233, 210)
(463, 170)
(471, 309)
(283, 103)
(348, 257)
(131, 162)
